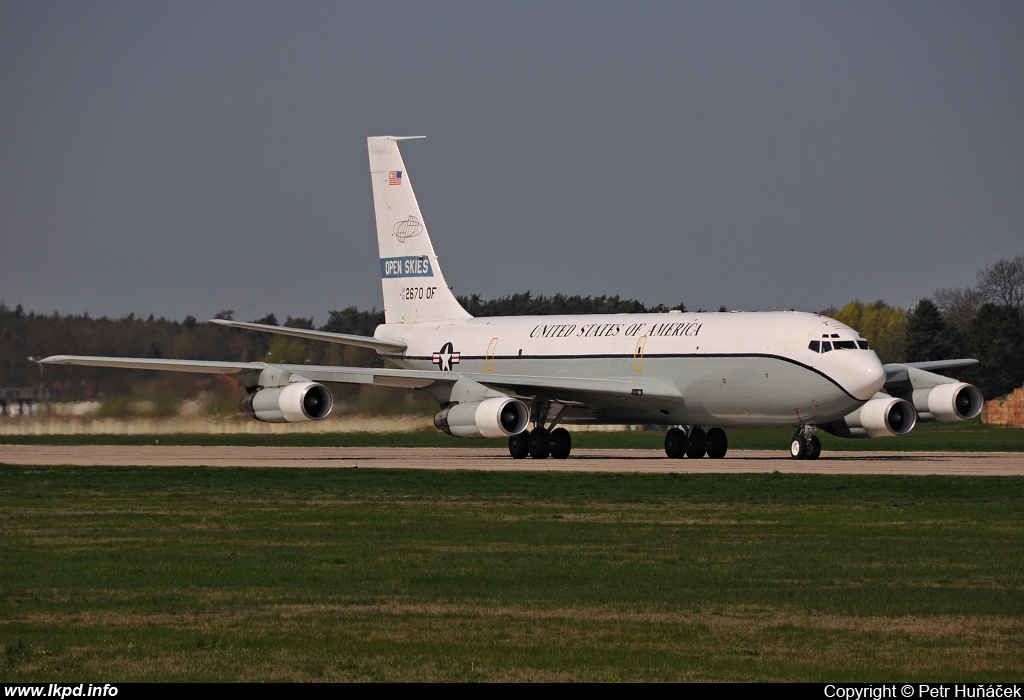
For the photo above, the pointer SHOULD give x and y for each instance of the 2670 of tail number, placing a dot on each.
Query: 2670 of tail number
(418, 292)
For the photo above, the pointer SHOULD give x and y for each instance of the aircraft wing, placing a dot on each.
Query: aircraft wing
(409, 378)
(200, 366)
(575, 390)
(935, 364)
(384, 346)
(898, 376)
(318, 373)
(582, 390)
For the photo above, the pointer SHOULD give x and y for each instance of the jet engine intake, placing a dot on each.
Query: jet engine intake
(879, 417)
(495, 417)
(947, 403)
(293, 403)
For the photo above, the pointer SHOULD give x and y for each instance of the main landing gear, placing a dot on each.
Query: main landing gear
(804, 444)
(541, 442)
(693, 442)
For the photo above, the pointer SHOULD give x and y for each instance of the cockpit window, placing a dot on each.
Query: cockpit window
(835, 343)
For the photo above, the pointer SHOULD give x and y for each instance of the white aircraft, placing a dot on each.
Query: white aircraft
(696, 373)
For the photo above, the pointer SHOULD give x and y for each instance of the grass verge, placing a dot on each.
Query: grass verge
(128, 574)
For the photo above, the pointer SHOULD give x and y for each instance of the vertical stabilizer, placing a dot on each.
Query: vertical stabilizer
(414, 288)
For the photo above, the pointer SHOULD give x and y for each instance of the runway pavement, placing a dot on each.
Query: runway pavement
(985, 463)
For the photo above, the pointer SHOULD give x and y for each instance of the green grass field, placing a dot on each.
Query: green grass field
(970, 436)
(119, 574)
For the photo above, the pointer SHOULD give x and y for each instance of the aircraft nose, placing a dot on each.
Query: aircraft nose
(863, 374)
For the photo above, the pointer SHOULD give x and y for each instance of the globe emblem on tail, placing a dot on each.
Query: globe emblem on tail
(408, 228)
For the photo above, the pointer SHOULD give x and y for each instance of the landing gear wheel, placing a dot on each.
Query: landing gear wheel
(696, 444)
(519, 445)
(561, 443)
(813, 447)
(718, 444)
(675, 443)
(797, 446)
(540, 443)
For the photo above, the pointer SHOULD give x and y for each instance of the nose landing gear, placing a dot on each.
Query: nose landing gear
(804, 444)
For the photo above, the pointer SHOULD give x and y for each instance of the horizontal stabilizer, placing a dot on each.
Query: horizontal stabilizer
(362, 341)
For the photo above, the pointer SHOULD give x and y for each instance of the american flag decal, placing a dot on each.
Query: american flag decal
(395, 177)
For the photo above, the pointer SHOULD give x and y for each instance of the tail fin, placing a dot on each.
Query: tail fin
(414, 288)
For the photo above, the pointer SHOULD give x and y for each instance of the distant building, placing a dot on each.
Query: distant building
(1009, 411)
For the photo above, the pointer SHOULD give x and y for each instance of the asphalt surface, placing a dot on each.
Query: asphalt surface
(961, 463)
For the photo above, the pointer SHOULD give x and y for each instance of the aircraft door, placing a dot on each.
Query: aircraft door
(638, 353)
(489, 360)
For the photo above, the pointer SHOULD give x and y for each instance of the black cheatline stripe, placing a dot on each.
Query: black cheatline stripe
(464, 356)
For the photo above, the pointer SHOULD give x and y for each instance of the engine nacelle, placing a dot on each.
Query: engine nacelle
(289, 404)
(496, 417)
(880, 417)
(947, 403)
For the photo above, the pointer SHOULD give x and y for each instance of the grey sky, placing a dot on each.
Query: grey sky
(183, 158)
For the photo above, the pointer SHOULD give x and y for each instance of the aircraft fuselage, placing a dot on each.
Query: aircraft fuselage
(729, 368)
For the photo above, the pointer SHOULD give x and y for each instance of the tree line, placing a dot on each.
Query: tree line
(984, 321)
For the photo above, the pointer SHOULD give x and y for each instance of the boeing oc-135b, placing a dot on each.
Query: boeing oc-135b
(696, 374)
